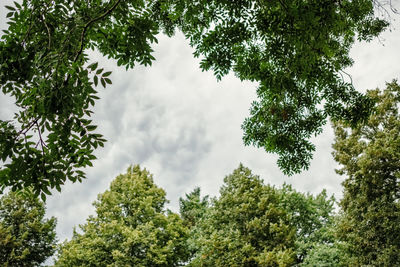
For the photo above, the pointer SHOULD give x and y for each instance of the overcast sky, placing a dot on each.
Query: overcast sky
(184, 127)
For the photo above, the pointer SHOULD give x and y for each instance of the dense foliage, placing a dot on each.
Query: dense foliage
(370, 158)
(253, 224)
(245, 226)
(295, 50)
(26, 237)
(311, 216)
(131, 228)
(248, 224)
(193, 207)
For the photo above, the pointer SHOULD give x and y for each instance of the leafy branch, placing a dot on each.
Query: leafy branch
(26, 129)
(90, 23)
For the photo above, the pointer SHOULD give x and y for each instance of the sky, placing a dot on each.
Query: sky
(185, 127)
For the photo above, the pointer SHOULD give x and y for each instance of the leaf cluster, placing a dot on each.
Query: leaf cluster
(296, 51)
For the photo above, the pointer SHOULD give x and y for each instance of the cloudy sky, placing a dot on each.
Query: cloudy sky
(184, 126)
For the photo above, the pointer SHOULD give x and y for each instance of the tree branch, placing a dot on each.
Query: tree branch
(87, 26)
(48, 31)
(25, 130)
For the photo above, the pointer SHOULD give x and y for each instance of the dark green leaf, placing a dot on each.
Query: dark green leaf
(91, 127)
(106, 74)
(93, 66)
(10, 8)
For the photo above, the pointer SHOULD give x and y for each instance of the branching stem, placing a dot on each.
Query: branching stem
(90, 23)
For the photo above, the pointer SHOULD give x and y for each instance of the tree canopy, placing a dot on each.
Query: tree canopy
(253, 224)
(245, 226)
(27, 238)
(311, 216)
(131, 228)
(295, 50)
(369, 156)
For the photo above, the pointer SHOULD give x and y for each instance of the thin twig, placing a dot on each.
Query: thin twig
(87, 26)
(42, 148)
(30, 26)
(48, 31)
(351, 79)
(25, 130)
(40, 136)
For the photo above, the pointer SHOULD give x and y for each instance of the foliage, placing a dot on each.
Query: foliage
(325, 255)
(296, 51)
(193, 207)
(370, 158)
(26, 237)
(131, 228)
(252, 224)
(193, 210)
(245, 226)
(311, 216)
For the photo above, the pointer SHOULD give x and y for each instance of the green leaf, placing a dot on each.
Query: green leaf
(160, 237)
(91, 127)
(93, 66)
(108, 80)
(58, 187)
(27, 233)
(96, 80)
(17, 5)
(46, 190)
(106, 74)
(99, 71)
(10, 8)
(103, 82)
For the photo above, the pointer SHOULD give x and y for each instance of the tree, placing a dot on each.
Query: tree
(193, 210)
(193, 207)
(326, 255)
(295, 50)
(131, 228)
(312, 217)
(252, 224)
(370, 158)
(245, 226)
(26, 237)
